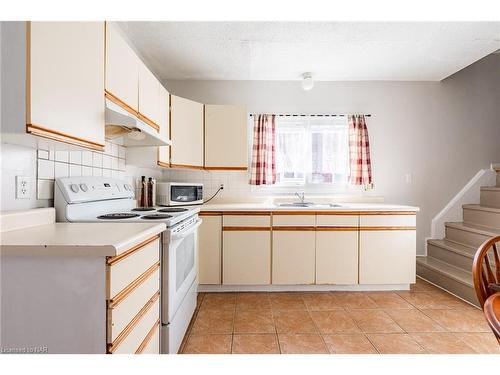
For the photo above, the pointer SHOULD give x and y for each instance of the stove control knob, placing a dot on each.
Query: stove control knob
(126, 187)
(74, 188)
(84, 187)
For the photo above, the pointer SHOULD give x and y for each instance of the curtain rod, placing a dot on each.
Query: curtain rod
(314, 115)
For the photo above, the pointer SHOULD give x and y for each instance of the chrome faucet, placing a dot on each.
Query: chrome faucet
(301, 196)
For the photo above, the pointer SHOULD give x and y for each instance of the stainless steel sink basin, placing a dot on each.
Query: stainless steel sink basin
(298, 204)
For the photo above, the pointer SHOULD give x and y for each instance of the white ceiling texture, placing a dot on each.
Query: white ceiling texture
(332, 51)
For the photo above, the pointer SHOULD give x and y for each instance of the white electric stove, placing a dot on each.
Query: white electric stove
(102, 199)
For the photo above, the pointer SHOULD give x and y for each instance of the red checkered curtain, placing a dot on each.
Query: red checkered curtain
(263, 153)
(359, 152)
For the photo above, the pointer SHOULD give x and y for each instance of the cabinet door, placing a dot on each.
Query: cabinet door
(186, 130)
(387, 256)
(293, 257)
(247, 257)
(337, 256)
(149, 96)
(164, 151)
(223, 122)
(210, 248)
(122, 69)
(66, 82)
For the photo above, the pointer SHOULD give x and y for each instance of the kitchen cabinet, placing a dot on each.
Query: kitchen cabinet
(387, 249)
(122, 70)
(210, 249)
(293, 249)
(186, 130)
(149, 97)
(164, 151)
(246, 250)
(337, 249)
(223, 122)
(65, 82)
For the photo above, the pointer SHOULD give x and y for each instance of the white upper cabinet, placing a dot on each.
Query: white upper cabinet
(164, 122)
(223, 122)
(122, 69)
(65, 83)
(149, 95)
(186, 130)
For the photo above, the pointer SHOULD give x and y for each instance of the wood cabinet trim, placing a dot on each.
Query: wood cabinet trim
(135, 320)
(210, 213)
(148, 337)
(246, 213)
(62, 137)
(185, 166)
(336, 229)
(387, 213)
(288, 213)
(113, 260)
(304, 228)
(163, 164)
(226, 168)
(382, 228)
(125, 292)
(148, 121)
(119, 102)
(244, 229)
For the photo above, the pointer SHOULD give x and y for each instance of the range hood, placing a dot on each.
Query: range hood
(129, 130)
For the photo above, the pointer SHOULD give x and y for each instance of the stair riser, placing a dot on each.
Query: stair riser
(465, 237)
(450, 257)
(466, 292)
(485, 218)
(490, 198)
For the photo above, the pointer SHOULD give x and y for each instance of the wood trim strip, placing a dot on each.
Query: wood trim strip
(293, 228)
(386, 228)
(135, 320)
(226, 168)
(161, 163)
(120, 102)
(336, 229)
(210, 213)
(387, 212)
(246, 213)
(244, 229)
(113, 260)
(148, 121)
(124, 293)
(186, 166)
(62, 137)
(148, 337)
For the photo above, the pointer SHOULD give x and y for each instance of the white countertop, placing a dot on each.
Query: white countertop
(344, 207)
(76, 239)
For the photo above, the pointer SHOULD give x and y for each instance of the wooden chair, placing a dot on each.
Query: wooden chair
(486, 277)
(492, 313)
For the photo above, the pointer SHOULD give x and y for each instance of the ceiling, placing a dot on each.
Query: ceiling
(332, 51)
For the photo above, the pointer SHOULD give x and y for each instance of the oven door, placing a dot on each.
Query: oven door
(179, 269)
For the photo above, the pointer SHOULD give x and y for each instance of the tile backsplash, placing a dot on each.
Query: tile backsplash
(52, 164)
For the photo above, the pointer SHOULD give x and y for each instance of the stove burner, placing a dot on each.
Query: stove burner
(156, 216)
(173, 209)
(143, 209)
(118, 216)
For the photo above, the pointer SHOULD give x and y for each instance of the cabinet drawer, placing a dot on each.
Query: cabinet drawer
(337, 220)
(151, 344)
(247, 220)
(125, 268)
(387, 220)
(294, 220)
(134, 334)
(121, 313)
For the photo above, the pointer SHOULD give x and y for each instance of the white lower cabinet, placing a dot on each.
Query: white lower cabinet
(246, 257)
(293, 257)
(337, 257)
(387, 256)
(210, 250)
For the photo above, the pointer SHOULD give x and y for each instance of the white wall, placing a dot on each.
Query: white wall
(441, 133)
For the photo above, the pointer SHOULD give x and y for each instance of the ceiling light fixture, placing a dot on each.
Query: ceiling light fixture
(307, 81)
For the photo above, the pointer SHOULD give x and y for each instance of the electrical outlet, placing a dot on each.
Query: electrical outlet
(22, 187)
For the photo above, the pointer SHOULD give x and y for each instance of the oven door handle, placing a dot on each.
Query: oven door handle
(187, 232)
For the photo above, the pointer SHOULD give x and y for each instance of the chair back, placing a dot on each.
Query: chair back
(486, 269)
(492, 314)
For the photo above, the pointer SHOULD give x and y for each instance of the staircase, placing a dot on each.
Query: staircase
(448, 263)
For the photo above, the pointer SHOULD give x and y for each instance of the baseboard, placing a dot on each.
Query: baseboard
(301, 288)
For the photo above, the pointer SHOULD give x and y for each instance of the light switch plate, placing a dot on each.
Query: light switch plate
(23, 187)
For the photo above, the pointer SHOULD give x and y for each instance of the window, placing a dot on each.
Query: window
(312, 150)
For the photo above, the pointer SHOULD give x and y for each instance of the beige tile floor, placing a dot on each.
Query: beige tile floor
(422, 320)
